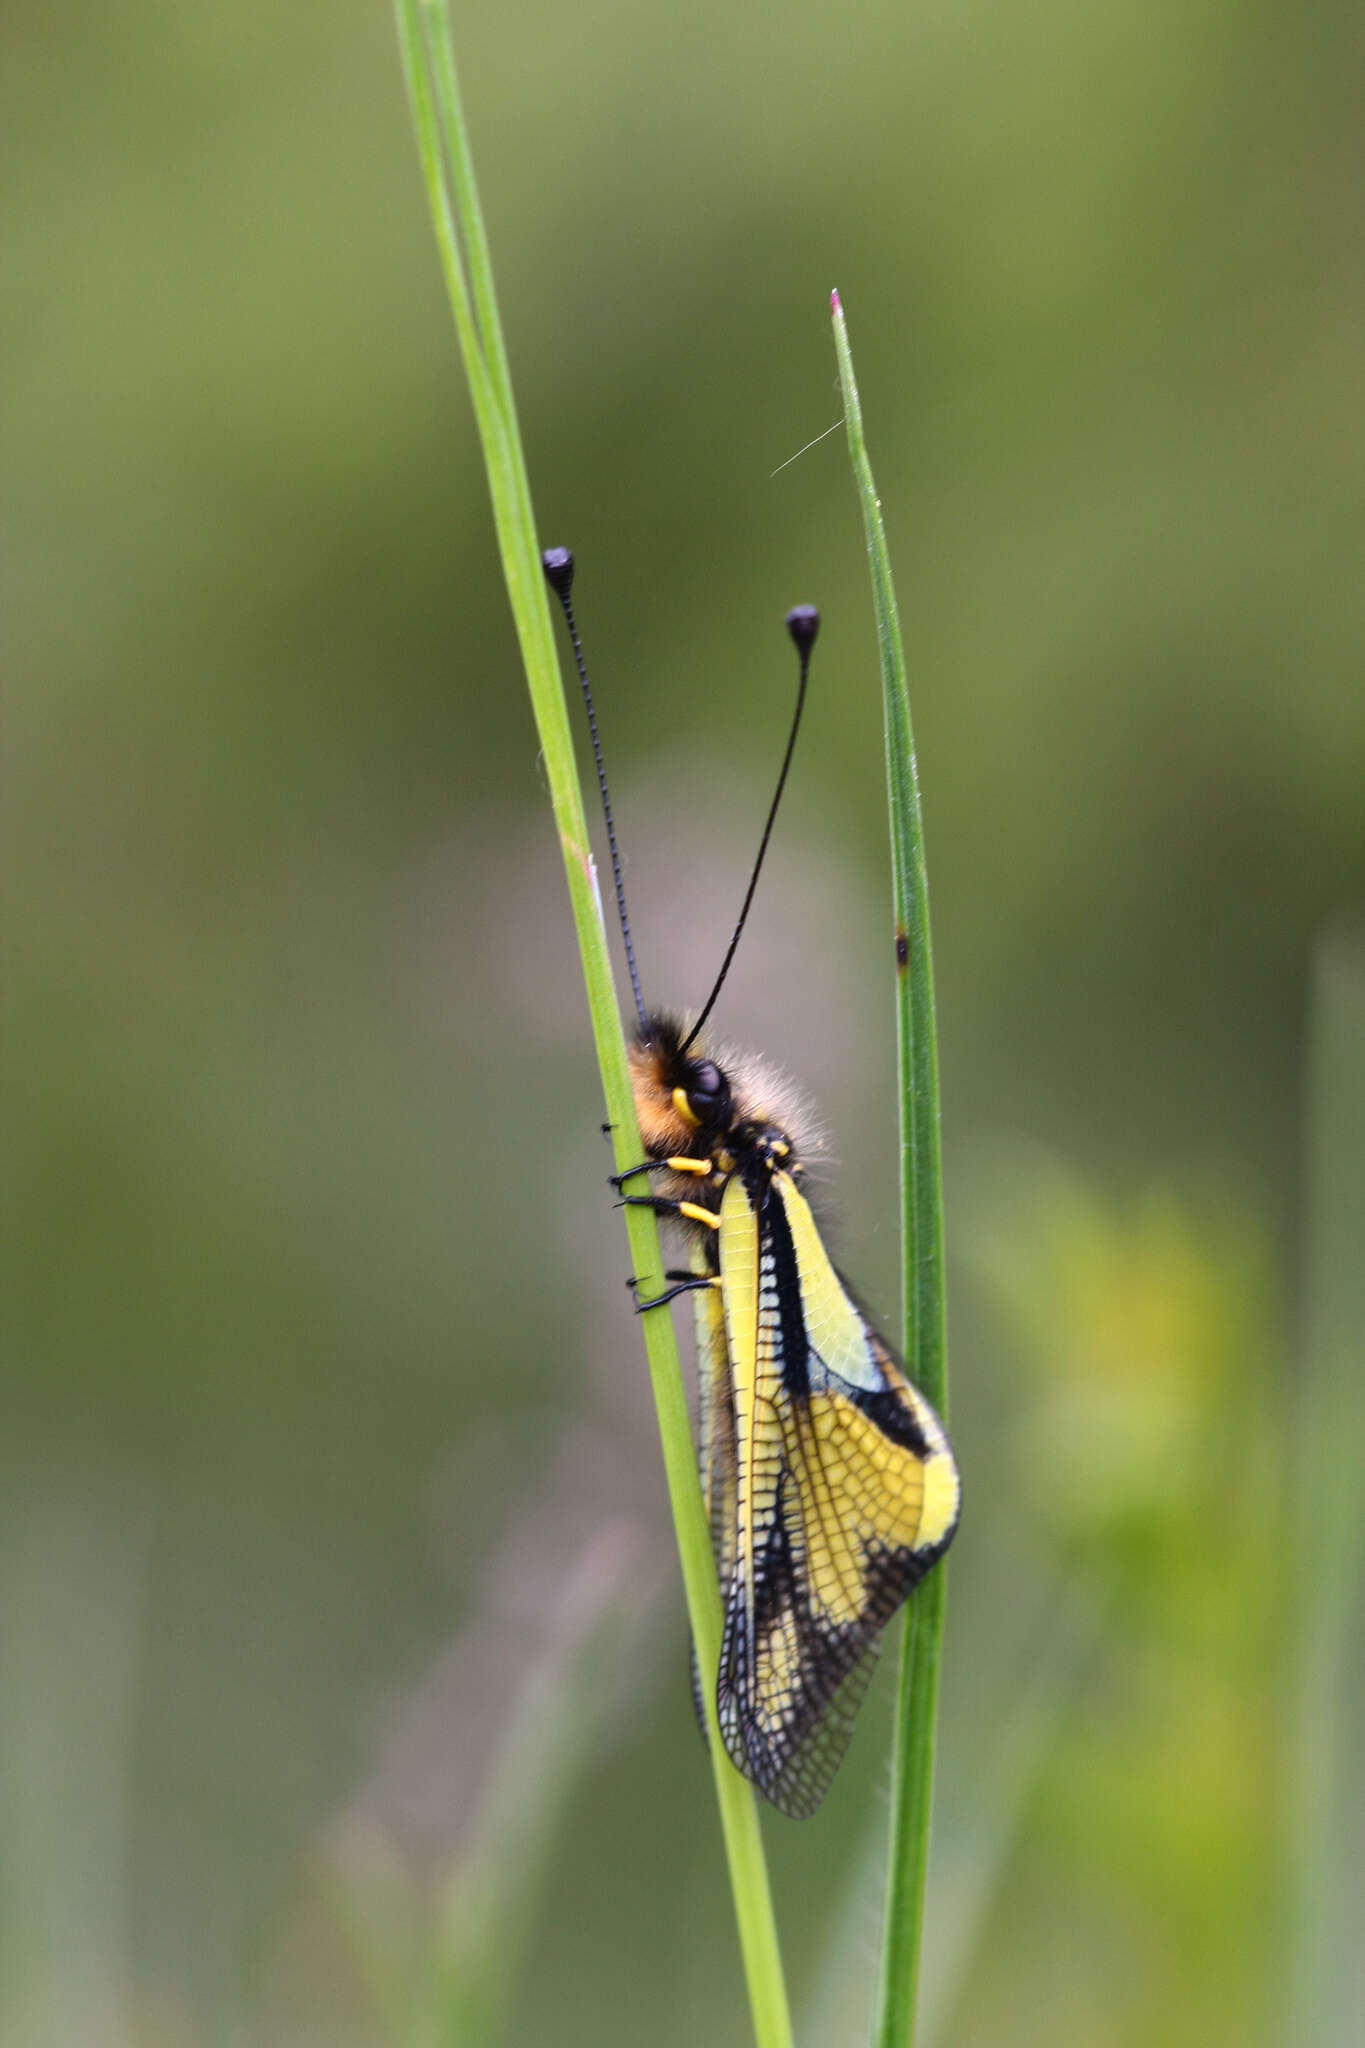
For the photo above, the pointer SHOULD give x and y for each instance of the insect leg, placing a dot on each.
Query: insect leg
(662, 1206)
(677, 1164)
(688, 1285)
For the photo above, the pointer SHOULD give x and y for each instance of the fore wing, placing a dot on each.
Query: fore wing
(715, 1443)
(716, 1432)
(844, 1493)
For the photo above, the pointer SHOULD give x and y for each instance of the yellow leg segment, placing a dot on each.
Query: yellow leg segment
(696, 1214)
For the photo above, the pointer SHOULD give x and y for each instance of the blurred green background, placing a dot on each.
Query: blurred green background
(344, 1693)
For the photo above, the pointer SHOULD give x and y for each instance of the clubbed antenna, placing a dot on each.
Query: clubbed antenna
(803, 623)
(558, 565)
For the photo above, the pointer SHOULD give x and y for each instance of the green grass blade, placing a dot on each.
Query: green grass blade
(447, 166)
(921, 1189)
(1326, 1778)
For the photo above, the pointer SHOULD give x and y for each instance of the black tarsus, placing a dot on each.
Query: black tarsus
(687, 1286)
(558, 564)
(618, 1180)
(803, 623)
(662, 1205)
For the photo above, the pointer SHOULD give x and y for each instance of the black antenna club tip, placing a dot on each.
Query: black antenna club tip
(803, 623)
(558, 566)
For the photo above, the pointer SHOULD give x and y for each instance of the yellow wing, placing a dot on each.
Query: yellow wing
(844, 1493)
(716, 1432)
(715, 1443)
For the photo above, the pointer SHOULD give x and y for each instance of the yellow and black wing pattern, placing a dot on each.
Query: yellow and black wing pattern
(829, 1483)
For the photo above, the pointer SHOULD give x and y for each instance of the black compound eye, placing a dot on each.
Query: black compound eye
(706, 1086)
